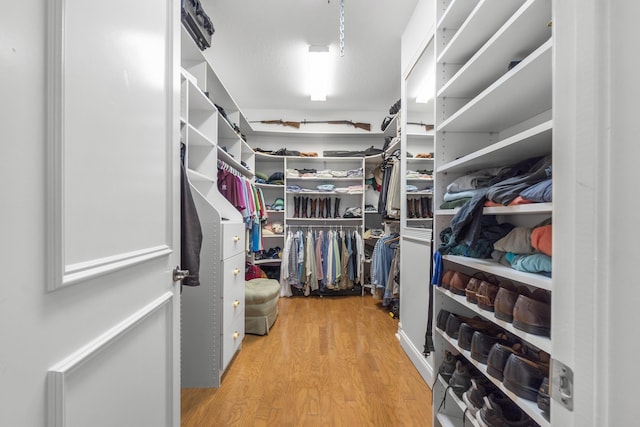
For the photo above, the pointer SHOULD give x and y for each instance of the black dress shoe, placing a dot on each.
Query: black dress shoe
(481, 344)
(441, 321)
(453, 326)
(465, 334)
(524, 377)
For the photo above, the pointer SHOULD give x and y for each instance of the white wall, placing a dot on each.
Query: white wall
(419, 30)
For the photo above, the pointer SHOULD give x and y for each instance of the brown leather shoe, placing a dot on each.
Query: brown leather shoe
(486, 295)
(506, 299)
(472, 287)
(458, 283)
(446, 278)
(532, 315)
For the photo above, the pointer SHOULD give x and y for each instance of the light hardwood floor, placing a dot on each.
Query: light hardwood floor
(332, 361)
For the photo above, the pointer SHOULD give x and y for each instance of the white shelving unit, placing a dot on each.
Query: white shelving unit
(490, 113)
(212, 326)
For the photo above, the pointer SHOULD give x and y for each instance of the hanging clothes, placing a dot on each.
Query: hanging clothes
(247, 199)
(322, 260)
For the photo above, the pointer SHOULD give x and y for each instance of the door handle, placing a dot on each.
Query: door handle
(179, 274)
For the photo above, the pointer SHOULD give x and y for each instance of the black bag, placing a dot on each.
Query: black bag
(197, 23)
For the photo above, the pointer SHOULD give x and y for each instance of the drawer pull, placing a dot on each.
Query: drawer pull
(236, 271)
(236, 238)
(236, 335)
(236, 303)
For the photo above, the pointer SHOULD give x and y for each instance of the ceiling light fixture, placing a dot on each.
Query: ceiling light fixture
(318, 71)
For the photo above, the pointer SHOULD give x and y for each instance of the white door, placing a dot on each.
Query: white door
(89, 171)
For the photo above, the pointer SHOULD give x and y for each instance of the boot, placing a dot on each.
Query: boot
(296, 206)
(327, 205)
(321, 208)
(303, 208)
(424, 204)
(417, 208)
(336, 212)
(313, 208)
(427, 212)
(410, 208)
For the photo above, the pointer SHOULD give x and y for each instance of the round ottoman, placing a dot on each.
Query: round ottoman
(260, 305)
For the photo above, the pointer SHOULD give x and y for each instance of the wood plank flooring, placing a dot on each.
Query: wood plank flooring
(332, 361)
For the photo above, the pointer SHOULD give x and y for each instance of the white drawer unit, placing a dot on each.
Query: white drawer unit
(233, 238)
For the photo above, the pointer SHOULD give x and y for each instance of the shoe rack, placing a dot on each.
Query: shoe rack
(489, 114)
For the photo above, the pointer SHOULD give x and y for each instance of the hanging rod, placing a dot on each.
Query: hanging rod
(324, 226)
(227, 167)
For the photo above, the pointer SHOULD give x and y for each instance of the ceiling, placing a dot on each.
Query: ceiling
(259, 52)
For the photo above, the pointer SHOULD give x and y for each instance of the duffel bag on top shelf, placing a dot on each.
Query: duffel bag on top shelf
(197, 23)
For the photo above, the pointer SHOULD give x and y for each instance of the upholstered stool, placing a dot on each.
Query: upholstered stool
(260, 305)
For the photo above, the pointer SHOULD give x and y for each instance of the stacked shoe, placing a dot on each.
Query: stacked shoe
(441, 320)
(458, 283)
(506, 299)
(544, 401)
(446, 278)
(482, 343)
(448, 365)
(498, 410)
(486, 294)
(532, 314)
(472, 286)
(474, 396)
(524, 377)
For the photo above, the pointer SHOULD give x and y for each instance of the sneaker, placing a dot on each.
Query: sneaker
(448, 365)
(474, 397)
(460, 379)
(498, 411)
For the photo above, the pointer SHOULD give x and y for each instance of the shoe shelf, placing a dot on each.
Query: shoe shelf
(493, 267)
(449, 421)
(479, 26)
(459, 403)
(490, 61)
(529, 407)
(521, 93)
(540, 342)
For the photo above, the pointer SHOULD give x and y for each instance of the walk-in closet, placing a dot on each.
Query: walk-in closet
(319, 213)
